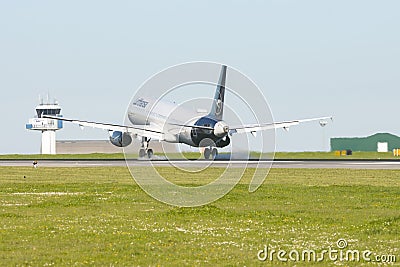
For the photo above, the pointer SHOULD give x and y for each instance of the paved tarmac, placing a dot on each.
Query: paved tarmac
(302, 164)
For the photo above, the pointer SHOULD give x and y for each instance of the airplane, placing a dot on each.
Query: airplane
(150, 121)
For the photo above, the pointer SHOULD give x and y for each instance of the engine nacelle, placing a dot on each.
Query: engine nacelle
(221, 129)
(120, 139)
(223, 142)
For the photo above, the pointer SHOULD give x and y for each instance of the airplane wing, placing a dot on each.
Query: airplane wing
(275, 125)
(142, 130)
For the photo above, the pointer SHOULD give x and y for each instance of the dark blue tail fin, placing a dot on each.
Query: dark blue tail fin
(217, 108)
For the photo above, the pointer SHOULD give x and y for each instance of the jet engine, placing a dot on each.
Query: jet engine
(223, 142)
(120, 139)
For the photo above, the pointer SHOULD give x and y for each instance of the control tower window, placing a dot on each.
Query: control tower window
(52, 112)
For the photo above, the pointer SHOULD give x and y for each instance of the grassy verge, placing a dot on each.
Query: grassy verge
(62, 156)
(193, 155)
(99, 216)
(331, 155)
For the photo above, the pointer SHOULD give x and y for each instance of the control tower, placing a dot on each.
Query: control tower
(48, 127)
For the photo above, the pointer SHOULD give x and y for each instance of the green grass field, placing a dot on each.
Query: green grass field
(100, 217)
(331, 155)
(193, 155)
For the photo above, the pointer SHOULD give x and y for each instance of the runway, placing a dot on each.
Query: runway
(301, 164)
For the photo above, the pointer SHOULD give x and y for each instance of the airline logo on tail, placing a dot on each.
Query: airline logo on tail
(218, 109)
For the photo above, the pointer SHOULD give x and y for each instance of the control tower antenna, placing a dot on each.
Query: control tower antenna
(48, 127)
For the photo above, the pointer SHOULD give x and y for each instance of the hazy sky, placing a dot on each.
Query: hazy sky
(310, 58)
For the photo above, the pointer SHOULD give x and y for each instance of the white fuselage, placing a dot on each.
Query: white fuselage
(161, 116)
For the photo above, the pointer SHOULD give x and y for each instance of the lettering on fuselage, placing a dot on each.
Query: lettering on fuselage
(141, 103)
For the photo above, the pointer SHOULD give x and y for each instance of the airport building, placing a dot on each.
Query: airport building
(46, 126)
(379, 142)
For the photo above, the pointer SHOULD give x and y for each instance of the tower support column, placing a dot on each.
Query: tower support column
(48, 142)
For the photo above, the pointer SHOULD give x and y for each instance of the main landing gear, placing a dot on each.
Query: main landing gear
(213, 152)
(144, 150)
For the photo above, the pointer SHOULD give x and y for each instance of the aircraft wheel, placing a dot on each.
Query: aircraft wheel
(142, 153)
(207, 153)
(150, 153)
(214, 153)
